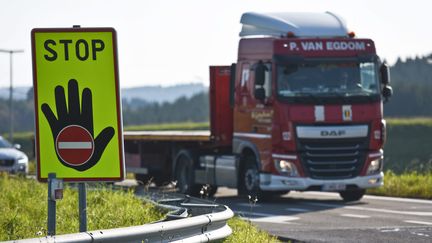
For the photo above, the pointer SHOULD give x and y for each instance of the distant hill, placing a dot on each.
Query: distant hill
(157, 94)
(20, 93)
(162, 94)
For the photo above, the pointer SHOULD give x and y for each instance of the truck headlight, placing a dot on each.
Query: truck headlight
(374, 166)
(286, 167)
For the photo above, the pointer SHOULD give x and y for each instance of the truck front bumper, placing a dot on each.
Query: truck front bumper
(269, 182)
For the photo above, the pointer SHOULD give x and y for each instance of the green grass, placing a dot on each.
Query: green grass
(409, 145)
(423, 121)
(412, 185)
(170, 126)
(23, 212)
(245, 231)
(32, 167)
(24, 209)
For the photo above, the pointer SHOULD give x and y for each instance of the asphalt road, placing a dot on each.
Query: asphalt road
(324, 217)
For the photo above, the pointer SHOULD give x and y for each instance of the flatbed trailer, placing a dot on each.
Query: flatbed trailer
(198, 136)
(150, 155)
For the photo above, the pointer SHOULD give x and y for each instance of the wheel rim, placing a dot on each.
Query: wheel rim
(183, 175)
(251, 179)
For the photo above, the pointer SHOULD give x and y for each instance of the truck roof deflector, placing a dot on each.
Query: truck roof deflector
(300, 24)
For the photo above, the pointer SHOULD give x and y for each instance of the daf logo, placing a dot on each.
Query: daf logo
(332, 133)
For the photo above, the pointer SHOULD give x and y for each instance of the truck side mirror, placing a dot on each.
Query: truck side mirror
(260, 70)
(387, 92)
(385, 74)
(260, 93)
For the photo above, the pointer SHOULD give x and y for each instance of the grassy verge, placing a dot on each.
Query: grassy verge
(408, 146)
(244, 231)
(425, 121)
(23, 212)
(24, 209)
(409, 184)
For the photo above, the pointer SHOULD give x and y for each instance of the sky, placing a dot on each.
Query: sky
(168, 42)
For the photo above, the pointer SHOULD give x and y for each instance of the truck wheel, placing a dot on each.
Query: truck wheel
(249, 178)
(352, 195)
(184, 174)
(143, 179)
(208, 190)
(212, 191)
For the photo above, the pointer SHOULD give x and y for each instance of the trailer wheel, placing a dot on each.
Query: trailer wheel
(207, 190)
(352, 195)
(143, 179)
(184, 174)
(212, 191)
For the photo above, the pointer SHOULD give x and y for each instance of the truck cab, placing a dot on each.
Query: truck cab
(308, 106)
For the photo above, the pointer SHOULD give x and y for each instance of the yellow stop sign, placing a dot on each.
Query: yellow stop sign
(77, 105)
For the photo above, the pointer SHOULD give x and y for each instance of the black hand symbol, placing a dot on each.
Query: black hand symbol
(74, 116)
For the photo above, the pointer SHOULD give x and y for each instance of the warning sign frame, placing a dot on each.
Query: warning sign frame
(107, 167)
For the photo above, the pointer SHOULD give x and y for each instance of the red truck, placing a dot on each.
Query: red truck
(302, 109)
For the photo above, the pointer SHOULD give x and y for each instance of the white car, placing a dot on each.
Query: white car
(11, 159)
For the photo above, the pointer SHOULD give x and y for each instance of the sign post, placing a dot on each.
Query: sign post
(79, 133)
(51, 207)
(82, 204)
(55, 192)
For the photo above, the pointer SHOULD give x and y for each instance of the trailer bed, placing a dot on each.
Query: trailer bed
(203, 136)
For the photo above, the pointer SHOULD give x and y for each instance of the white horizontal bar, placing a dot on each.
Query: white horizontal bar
(418, 222)
(334, 132)
(251, 135)
(284, 156)
(356, 216)
(75, 145)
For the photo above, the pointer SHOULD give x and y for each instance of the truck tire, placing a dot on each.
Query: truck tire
(352, 195)
(143, 179)
(184, 174)
(249, 178)
(249, 182)
(208, 190)
(212, 191)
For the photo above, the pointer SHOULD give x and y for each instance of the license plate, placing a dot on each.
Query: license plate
(333, 187)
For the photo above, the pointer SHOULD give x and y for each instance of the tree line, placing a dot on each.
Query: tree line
(411, 82)
(412, 86)
(193, 109)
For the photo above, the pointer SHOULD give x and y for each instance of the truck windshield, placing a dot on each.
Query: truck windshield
(327, 79)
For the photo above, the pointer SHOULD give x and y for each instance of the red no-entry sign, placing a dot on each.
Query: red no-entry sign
(75, 145)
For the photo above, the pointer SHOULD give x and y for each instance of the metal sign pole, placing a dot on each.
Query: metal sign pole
(82, 201)
(51, 206)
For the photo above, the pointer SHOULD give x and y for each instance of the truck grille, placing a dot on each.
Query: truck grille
(333, 158)
(6, 162)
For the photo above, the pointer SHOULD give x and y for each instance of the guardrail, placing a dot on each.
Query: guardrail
(190, 220)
